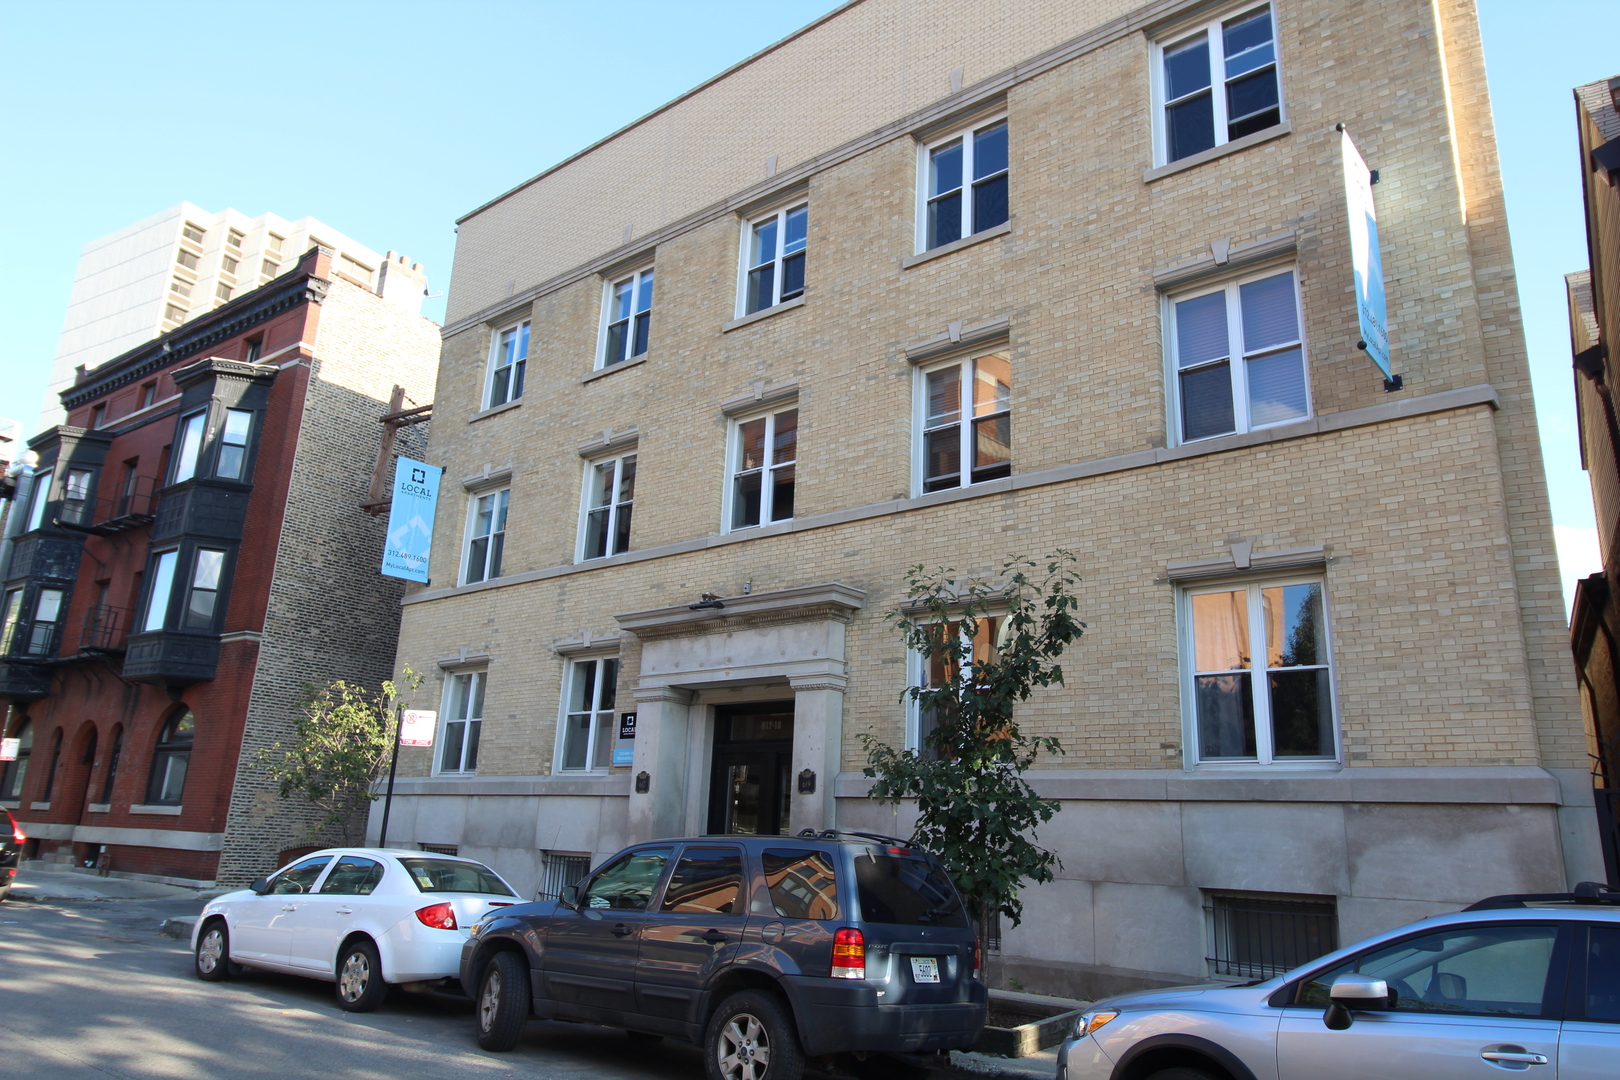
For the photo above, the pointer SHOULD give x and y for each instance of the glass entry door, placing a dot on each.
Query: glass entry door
(749, 783)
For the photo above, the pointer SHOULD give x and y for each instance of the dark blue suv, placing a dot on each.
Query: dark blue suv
(765, 951)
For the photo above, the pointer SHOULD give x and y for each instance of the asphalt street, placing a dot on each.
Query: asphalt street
(89, 990)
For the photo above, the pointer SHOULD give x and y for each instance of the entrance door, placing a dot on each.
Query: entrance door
(753, 755)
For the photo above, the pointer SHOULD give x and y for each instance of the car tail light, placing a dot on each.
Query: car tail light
(849, 954)
(438, 916)
(978, 956)
(17, 833)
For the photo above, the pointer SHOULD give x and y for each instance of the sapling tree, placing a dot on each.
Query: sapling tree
(985, 646)
(342, 740)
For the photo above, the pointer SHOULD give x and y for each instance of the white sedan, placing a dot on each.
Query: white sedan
(363, 918)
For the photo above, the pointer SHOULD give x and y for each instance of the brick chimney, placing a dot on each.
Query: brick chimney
(402, 283)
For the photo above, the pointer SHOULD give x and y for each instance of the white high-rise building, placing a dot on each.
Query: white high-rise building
(148, 278)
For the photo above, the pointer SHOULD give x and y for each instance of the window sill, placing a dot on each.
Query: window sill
(39, 806)
(634, 361)
(763, 313)
(99, 807)
(494, 410)
(165, 811)
(1233, 147)
(956, 245)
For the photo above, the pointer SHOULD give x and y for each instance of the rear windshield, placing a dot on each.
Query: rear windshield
(906, 891)
(442, 875)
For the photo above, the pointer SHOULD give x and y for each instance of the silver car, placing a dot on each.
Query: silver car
(1515, 985)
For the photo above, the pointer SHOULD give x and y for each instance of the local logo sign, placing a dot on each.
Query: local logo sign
(1366, 260)
(410, 520)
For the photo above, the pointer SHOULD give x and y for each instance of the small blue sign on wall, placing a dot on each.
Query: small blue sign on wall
(624, 755)
(410, 520)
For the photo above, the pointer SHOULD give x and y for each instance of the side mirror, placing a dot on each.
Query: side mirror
(1355, 992)
(260, 886)
(569, 897)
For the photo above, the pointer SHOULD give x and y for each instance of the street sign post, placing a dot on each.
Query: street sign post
(9, 748)
(417, 726)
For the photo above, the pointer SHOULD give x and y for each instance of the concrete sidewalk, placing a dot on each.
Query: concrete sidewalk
(37, 885)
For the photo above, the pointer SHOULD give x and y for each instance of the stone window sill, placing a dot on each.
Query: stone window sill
(99, 808)
(956, 245)
(1233, 147)
(763, 313)
(39, 806)
(634, 361)
(166, 811)
(494, 411)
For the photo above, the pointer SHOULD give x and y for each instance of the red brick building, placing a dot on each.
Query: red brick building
(187, 553)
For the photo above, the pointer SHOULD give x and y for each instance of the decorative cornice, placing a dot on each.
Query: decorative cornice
(760, 397)
(257, 306)
(218, 366)
(957, 338)
(832, 601)
(610, 442)
(669, 695)
(807, 683)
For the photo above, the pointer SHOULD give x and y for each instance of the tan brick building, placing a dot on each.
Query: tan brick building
(1121, 230)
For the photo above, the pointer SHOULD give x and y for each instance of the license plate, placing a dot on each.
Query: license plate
(924, 969)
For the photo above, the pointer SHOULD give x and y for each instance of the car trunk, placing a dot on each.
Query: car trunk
(919, 940)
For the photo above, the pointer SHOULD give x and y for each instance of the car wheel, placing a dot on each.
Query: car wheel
(1179, 1073)
(503, 1001)
(360, 986)
(214, 952)
(751, 1037)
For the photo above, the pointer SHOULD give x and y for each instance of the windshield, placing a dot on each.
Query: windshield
(906, 890)
(442, 875)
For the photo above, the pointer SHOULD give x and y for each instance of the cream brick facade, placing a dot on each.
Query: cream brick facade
(1424, 511)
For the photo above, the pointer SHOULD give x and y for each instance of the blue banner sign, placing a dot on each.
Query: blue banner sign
(1365, 259)
(410, 520)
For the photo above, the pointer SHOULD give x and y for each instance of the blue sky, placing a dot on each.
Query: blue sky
(390, 120)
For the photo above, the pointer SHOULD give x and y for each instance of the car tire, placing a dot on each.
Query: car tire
(502, 1007)
(212, 957)
(752, 1037)
(1181, 1073)
(360, 986)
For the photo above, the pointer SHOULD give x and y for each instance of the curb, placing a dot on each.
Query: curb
(179, 929)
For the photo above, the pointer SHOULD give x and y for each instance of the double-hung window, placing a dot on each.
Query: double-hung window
(629, 318)
(10, 616)
(202, 599)
(1216, 84)
(486, 536)
(507, 365)
(47, 620)
(964, 184)
(1259, 676)
(463, 717)
(773, 258)
(41, 498)
(1238, 357)
(162, 587)
(610, 494)
(190, 443)
(233, 444)
(763, 456)
(171, 759)
(931, 672)
(965, 422)
(588, 733)
(76, 495)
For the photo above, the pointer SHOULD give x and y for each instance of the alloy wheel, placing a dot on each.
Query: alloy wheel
(744, 1048)
(489, 1002)
(210, 951)
(355, 977)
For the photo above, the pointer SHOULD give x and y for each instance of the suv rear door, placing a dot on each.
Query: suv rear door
(919, 939)
(694, 931)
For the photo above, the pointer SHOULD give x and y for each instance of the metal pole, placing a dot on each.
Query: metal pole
(388, 800)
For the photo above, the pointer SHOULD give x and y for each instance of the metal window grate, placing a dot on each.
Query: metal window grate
(441, 849)
(558, 871)
(1257, 936)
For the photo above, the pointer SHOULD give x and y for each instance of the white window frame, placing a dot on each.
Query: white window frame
(745, 265)
(1218, 80)
(585, 507)
(1238, 362)
(734, 469)
(477, 679)
(494, 367)
(925, 152)
(469, 534)
(594, 709)
(1264, 748)
(965, 420)
(917, 674)
(610, 287)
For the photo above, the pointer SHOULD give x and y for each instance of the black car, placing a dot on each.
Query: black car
(765, 951)
(11, 842)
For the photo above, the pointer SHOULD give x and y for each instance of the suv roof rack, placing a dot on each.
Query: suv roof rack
(833, 834)
(1586, 892)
